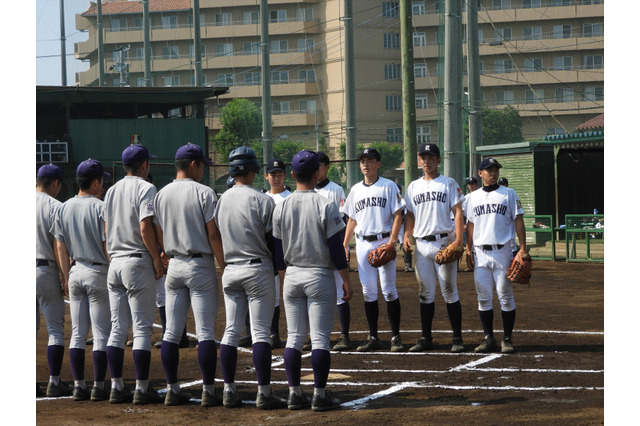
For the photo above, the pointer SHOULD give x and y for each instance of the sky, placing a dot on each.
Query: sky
(48, 64)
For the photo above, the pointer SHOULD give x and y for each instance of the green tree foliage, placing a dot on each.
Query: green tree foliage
(500, 126)
(241, 125)
(283, 149)
(391, 155)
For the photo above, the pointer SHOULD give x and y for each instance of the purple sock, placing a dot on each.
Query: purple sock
(55, 355)
(321, 363)
(292, 365)
(486, 318)
(344, 316)
(262, 362)
(99, 365)
(142, 361)
(115, 357)
(170, 355)
(163, 318)
(207, 357)
(76, 359)
(228, 362)
(427, 310)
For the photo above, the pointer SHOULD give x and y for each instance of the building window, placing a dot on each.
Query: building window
(555, 3)
(392, 71)
(564, 95)
(307, 106)
(171, 80)
(253, 78)
(250, 18)
(417, 8)
(423, 134)
(421, 101)
(202, 20)
(224, 79)
(390, 9)
(279, 46)
(419, 39)
(224, 49)
(555, 131)
(120, 55)
(503, 66)
(170, 21)
(594, 93)
(532, 64)
(118, 25)
(505, 97)
(562, 31)
(306, 44)
(138, 54)
(170, 52)
(192, 51)
(528, 4)
(304, 14)
(393, 102)
(281, 107)
(394, 134)
(192, 79)
(307, 76)
(278, 16)
(420, 70)
(533, 96)
(532, 33)
(592, 62)
(501, 4)
(138, 24)
(280, 77)
(503, 34)
(563, 63)
(251, 47)
(51, 152)
(592, 30)
(221, 19)
(391, 41)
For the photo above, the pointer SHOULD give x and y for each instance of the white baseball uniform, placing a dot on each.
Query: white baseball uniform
(278, 198)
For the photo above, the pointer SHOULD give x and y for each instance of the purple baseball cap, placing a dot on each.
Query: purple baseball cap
(135, 152)
(192, 151)
(91, 169)
(305, 161)
(50, 171)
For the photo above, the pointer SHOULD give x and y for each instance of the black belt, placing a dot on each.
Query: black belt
(375, 237)
(92, 264)
(193, 256)
(244, 262)
(433, 237)
(490, 247)
(42, 262)
(138, 255)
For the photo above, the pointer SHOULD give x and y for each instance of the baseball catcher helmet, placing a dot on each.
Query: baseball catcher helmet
(241, 160)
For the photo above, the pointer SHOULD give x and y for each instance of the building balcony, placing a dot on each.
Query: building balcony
(554, 107)
(233, 3)
(289, 119)
(292, 88)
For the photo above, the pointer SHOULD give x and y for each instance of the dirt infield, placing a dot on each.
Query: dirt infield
(556, 376)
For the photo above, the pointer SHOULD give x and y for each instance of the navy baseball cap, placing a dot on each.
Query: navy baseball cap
(135, 152)
(503, 181)
(470, 180)
(275, 164)
(429, 148)
(91, 169)
(305, 161)
(50, 171)
(324, 158)
(489, 162)
(369, 152)
(192, 151)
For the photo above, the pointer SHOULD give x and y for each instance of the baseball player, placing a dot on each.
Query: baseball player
(79, 231)
(244, 215)
(49, 290)
(187, 231)
(307, 230)
(335, 193)
(374, 207)
(430, 201)
(135, 266)
(274, 174)
(494, 213)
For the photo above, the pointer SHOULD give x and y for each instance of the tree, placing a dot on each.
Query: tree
(391, 154)
(501, 126)
(241, 123)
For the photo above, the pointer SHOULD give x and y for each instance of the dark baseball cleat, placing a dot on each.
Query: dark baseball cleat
(172, 398)
(231, 399)
(89, 342)
(298, 402)
(148, 397)
(324, 404)
(61, 389)
(245, 341)
(158, 344)
(424, 344)
(99, 394)
(276, 343)
(271, 402)
(396, 344)
(507, 346)
(209, 400)
(488, 345)
(307, 345)
(80, 393)
(129, 343)
(408, 269)
(343, 344)
(39, 392)
(371, 345)
(120, 396)
(457, 346)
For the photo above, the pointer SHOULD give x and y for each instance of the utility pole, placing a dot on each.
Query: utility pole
(473, 68)
(408, 93)
(197, 48)
(63, 47)
(100, 45)
(146, 23)
(267, 138)
(453, 140)
(350, 95)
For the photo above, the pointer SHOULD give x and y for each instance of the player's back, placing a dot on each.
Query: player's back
(79, 224)
(46, 207)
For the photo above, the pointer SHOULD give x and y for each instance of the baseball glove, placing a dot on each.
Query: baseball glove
(381, 255)
(520, 270)
(448, 254)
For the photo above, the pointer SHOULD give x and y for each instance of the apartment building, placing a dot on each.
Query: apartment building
(543, 57)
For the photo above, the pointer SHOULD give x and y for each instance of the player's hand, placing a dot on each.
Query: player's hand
(348, 292)
(406, 245)
(65, 288)
(471, 263)
(158, 267)
(347, 252)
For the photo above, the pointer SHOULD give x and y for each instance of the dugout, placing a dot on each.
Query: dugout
(76, 123)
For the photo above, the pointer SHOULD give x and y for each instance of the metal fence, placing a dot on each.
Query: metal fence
(584, 237)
